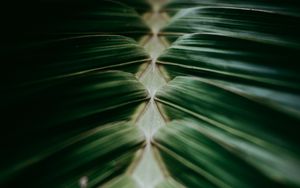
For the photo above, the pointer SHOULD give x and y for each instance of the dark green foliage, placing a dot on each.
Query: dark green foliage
(238, 130)
(52, 129)
(70, 94)
(234, 115)
(66, 112)
(63, 58)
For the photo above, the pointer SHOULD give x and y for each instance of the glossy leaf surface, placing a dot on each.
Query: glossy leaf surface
(234, 116)
(70, 116)
(233, 58)
(257, 25)
(213, 124)
(75, 112)
(290, 7)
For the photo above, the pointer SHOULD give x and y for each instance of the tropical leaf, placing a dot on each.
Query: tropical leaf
(241, 126)
(62, 98)
(236, 110)
(92, 154)
(50, 150)
(258, 25)
(290, 7)
(201, 162)
(233, 58)
(62, 58)
(85, 102)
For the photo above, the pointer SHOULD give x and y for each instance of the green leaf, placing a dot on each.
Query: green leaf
(63, 58)
(257, 25)
(225, 135)
(253, 69)
(58, 132)
(284, 7)
(232, 58)
(93, 154)
(233, 118)
(76, 114)
(70, 117)
(201, 162)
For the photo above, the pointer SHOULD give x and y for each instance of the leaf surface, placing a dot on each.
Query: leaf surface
(215, 135)
(65, 129)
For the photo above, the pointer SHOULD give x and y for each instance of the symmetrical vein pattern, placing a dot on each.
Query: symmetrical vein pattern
(233, 99)
(290, 7)
(71, 97)
(70, 135)
(150, 93)
(67, 57)
(239, 125)
(233, 58)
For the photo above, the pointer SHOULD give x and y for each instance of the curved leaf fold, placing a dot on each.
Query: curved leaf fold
(70, 97)
(232, 58)
(201, 162)
(69, 57)
(289, 7)
(254, 136)
(257, 25)
(69, 136)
